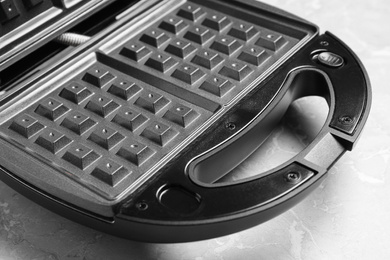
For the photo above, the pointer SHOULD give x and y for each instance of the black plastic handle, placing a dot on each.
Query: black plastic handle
(183, 204)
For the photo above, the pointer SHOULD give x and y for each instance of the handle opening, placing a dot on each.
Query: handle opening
(296, 130)
(211, 168)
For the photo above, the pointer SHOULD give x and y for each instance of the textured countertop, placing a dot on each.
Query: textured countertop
(347, 217)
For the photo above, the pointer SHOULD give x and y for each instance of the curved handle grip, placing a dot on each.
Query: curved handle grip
(212, 165)
(183, 207)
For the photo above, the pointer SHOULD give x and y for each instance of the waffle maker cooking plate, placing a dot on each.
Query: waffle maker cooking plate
(128, 125)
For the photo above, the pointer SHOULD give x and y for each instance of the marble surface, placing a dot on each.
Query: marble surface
(347, 217)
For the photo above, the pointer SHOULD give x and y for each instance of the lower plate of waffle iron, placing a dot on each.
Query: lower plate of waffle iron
(136, 110)
(128, 108)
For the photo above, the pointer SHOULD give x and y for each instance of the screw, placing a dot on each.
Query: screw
(346, 120)
(142, 206)
(293, 177)
(230, 126)
(324, 43)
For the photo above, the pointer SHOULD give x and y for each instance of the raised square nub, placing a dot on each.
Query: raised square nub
(75, 93)
(51, 109)
(243, 31)
(26, 126)
(135, 152)
(110, 172)
(154, 37)
(216, 21)
(181, 115)
(237, 71)
(217, 85)
(8, 10)
(254, 55)
(101, 105)
(129, 119)
(105, 137)
(271, 41)
(98, 77)
(135, 51)
(190, 12)
(173, 25)
(52, 140)
(151, 101)
(124, 89)
(80, 156)
(159, 133)
(188, 73)
(78, 122)
(160, 62)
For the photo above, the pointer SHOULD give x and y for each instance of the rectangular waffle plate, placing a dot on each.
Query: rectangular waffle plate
(128, 106)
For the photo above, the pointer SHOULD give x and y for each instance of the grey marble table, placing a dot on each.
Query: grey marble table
(347, 217)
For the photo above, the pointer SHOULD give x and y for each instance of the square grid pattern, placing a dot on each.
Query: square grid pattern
(110, 124)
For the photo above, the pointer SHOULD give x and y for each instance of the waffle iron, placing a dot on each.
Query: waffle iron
(125, 115)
